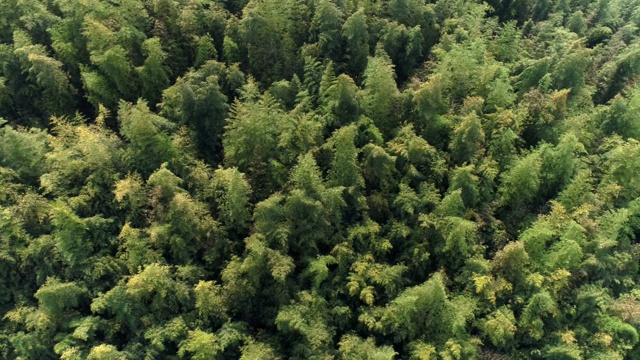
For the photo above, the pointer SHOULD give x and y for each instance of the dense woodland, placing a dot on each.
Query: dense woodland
(319, 179)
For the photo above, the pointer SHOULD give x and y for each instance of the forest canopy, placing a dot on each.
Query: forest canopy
(320, 179)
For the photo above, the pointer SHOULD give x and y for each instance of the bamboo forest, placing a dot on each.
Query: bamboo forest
(320, 179)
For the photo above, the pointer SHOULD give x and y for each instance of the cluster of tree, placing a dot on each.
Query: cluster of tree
(319, 179)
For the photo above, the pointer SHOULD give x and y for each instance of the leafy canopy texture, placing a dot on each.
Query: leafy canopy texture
(319, 179)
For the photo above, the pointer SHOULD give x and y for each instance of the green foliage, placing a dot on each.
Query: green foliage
(23, 151)
(420, 312)
(307, 319)
(232, 195)
(353, 347)
(57, 93)
(206, 51)
(341, 103)
(200, 345)
(255, 350)
(153, 73)
(104, 352)
(146, 133)
(325, 28)
(620, 164)
(404, 46)
(500, 327)
(521, 182)
(251, 136)
(83, 162)
(54, 297)
(464, 179)
(264, 24)
(355, 32)
(319, 179)
(111, 60)
(380, 94)
(467, 140)
(345, 170)
(541, 306)
(197, 101)
(431, 103)
(416, 157)
(70, 234)
(618, 118)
